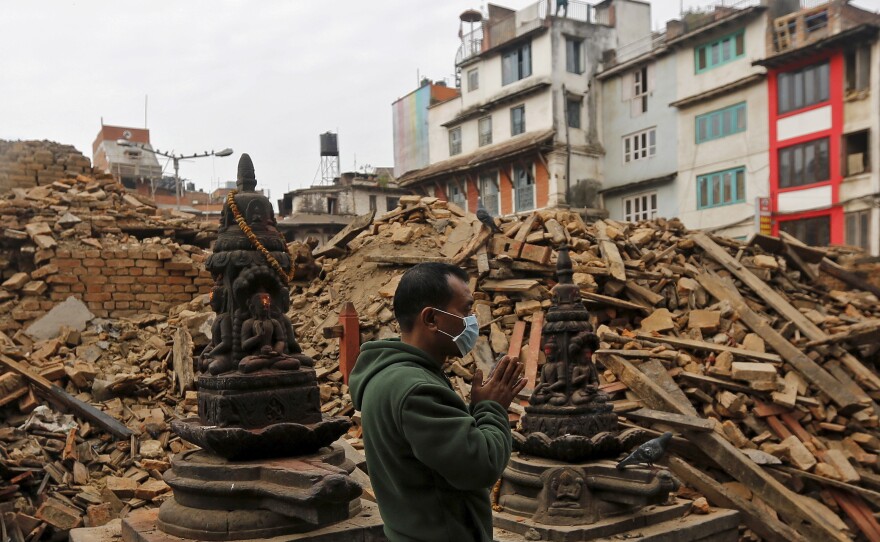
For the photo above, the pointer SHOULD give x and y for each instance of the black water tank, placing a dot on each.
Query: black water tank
(329, 146)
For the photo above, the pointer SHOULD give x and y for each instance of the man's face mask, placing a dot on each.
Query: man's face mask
(467, 339)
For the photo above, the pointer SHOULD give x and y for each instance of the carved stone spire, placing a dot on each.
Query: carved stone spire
(247, 179)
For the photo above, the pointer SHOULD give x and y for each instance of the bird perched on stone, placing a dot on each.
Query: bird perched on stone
(484, 217)
(648, 453)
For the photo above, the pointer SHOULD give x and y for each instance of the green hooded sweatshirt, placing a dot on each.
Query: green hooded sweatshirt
(431, 458)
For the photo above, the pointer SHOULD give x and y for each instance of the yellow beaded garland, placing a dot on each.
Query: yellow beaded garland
(249, 233)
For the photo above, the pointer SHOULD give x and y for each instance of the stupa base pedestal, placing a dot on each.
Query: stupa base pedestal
(661, 523)
(366, 526)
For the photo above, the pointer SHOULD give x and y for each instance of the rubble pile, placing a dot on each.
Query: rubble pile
(87, 237)
(24, 164)
(740, 334)
(62, 471)
(711, 338)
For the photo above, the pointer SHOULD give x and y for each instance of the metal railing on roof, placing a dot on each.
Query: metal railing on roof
(494, 33)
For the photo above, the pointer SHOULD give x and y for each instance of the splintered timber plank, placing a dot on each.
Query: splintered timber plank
(516, 339)
(769, 528)
(779, 303)
(610, 253)
(710, 347)
(83, 410)
(675, 420)
(727, 456)
(531, 369)
(782, 306)
(818, 376)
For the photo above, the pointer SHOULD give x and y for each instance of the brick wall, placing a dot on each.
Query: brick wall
(127, 281)
(24, 164)
(121, 279)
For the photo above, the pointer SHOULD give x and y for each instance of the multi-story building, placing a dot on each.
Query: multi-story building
(721, 109)
(321, 211)
(410, 115)
(524, 134)
(824, 121)
(129, 164)
(639, 130)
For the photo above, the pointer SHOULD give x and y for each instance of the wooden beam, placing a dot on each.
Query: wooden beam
(776, 301)
(350, 342)
(340, 240)
(691, 344)
(852, 333)
(526, 228)
(610, 253)
(810, 370)
(678, 421)
(531, 368)
(847, 276)
(471, 248)
(769, 528)
(727, 456)
(516, 339)
(508, 285)
(404, 260)
(783, 307)
(599, 299)
(83, 410)
(725, 384)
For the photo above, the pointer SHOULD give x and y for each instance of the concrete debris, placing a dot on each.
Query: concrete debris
(72, 313)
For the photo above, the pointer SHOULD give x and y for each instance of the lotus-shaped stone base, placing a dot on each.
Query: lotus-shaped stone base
(576, 448)
(284, 439)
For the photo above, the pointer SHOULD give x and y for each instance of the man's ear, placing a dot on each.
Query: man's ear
(428, 317)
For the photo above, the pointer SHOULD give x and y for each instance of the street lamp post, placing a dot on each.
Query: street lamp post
(176, 158)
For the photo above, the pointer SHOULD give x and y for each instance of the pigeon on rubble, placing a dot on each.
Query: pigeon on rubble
(648, 453)
(484, 217)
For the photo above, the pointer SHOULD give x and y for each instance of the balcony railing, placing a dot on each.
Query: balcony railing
(493, 33)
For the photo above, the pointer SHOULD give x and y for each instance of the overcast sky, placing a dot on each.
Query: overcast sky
(264, 77)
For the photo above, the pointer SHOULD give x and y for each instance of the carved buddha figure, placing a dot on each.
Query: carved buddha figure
(552, 387)
(217, 356)
(567, 487)
(264, 339)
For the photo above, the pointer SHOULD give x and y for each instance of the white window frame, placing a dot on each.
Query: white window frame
(490, 178)
(642, 207)
(513, 125)
(454, 143)
(574, 55)
(484, 139)
(452, 188)
(641, 145)
(534, 180)
(473, 79)
(640, 91)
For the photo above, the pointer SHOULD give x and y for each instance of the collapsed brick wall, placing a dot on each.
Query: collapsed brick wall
(24, 164)
(124, 282)
(116, 281)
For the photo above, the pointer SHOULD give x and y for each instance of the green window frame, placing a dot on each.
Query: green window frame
(720, 123)
(721, 188)
(719, 52)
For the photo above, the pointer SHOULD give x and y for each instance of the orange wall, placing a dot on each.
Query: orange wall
(473, 192)
(542, 184)
(505, 186)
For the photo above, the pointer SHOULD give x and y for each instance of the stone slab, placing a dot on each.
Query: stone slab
(140, 526)
(720, 525)
(72, 313)
(111, 532)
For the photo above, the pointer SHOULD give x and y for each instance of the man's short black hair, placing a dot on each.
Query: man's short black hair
(425, 285)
